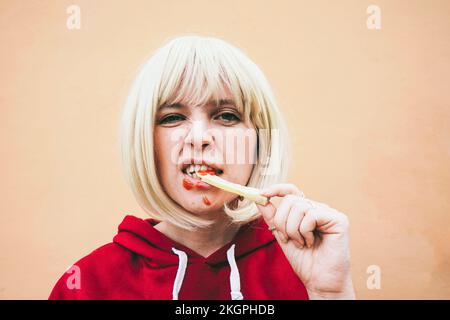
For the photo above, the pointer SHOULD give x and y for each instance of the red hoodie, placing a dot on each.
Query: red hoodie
(143, 263)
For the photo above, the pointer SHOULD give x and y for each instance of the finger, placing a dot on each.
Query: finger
(328, 220)
(307, 226)
(281, 216)
(293, 223)
(268, 212)
(281, 190)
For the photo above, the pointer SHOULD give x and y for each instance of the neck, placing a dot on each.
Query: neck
(202, 241)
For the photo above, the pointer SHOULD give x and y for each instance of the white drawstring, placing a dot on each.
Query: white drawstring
(235, 282)
(180, 273)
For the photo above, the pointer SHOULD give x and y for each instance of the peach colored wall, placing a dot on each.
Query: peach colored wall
(368, 110)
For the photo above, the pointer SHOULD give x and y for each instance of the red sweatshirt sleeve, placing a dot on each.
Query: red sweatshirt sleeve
(91, 277)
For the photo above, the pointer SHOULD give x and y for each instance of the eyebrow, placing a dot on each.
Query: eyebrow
(225, 102)
(180, 105)
(171, 106)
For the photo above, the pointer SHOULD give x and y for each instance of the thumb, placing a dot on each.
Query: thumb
(268, 212)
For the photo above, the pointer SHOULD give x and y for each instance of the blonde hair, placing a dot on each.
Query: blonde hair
(197, 69)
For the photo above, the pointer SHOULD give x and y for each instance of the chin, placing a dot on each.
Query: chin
(199, 207)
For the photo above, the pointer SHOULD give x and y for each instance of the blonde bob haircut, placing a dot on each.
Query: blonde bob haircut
(199, 69)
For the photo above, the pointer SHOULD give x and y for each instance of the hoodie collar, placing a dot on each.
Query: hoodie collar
(140, 236)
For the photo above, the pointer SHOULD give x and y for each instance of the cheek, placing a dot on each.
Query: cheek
(238, 134)
(242, 172)
(243, 156)
(241, 146)
(164, 148)
(252, 147)
(158, 150)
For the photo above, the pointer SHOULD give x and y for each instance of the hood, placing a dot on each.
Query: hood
(139, 236)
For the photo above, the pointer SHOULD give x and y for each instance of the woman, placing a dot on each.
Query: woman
(201, 104)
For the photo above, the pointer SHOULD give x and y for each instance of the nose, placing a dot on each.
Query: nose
(199, 138)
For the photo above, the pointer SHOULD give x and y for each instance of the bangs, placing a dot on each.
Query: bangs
(200, 71)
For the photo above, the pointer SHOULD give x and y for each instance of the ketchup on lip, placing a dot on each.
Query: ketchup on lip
(202, 185)
(188, 184)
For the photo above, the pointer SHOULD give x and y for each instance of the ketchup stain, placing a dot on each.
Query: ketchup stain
(206, 201)
(187, 184)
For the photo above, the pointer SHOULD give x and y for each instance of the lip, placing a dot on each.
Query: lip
(199, 184)
(196, 183)
(188, 162)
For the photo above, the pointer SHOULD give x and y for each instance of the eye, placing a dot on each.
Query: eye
(171, 118)
(228, 117)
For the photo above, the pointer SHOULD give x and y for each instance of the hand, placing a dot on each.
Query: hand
(314, 238)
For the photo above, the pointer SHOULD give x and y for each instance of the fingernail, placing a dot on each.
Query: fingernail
(282, 237)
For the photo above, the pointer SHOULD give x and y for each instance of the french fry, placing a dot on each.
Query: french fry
(250, 193)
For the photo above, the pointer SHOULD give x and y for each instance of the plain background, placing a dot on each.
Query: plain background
(368, 111)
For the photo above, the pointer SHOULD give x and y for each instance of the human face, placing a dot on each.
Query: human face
(215, 135)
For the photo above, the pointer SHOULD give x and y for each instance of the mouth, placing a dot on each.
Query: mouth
(193, 170)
